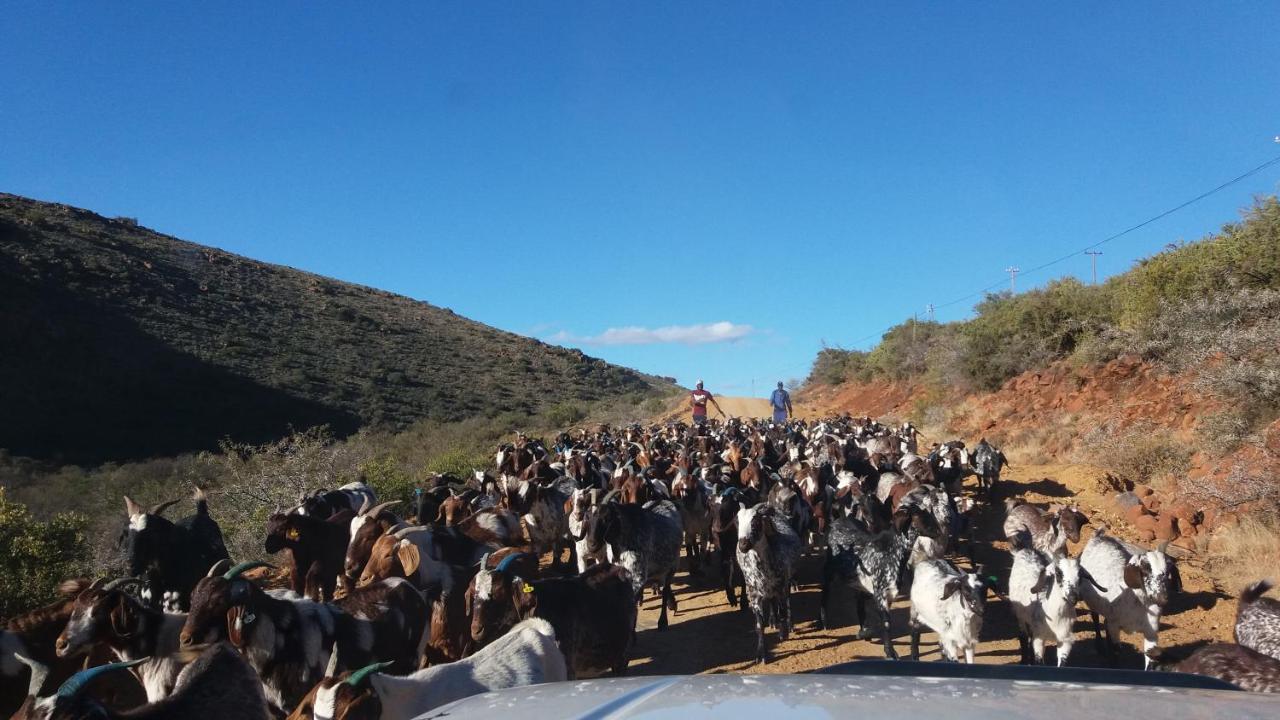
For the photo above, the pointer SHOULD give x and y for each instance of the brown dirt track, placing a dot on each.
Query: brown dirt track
(707, 636)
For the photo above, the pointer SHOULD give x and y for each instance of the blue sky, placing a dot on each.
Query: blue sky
(692, 189)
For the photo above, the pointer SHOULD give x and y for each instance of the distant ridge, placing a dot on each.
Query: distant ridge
(123, 343)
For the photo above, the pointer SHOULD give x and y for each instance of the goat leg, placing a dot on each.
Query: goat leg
(726, 568)
(1097, 634)
(762, 656)
(828, 573)
(889, 652)
(1024, 646)
(915, 640)
(784, 613)
(860, 605)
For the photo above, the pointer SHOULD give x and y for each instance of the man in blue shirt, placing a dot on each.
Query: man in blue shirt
(781, 402)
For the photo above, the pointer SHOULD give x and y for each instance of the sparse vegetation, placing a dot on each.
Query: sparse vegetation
(1141, 453)
(1242, 552)
(1212, 305)
(123, 343)
(75, 514)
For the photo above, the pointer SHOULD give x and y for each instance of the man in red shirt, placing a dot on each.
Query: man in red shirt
(699, 399)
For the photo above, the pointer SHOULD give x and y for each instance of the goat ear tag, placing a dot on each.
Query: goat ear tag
(526, 588)
(292, 534)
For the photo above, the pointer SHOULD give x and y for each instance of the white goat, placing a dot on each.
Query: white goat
(949, 602)
(526, 655)
(1043, 591)
(1138, 583)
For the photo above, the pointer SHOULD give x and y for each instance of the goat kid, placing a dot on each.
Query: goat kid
(949, 602)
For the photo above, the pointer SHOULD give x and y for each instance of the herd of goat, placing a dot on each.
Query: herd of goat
(389, 615)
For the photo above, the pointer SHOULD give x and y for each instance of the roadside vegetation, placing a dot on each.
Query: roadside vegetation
(64, 521)
(1212, 305)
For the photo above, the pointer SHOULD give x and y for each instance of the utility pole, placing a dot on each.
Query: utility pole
(1013, 271)
(930, 307)
(914, 319)
(1093, 260)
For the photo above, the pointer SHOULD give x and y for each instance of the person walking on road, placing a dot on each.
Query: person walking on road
(698, 399)
(781, 402)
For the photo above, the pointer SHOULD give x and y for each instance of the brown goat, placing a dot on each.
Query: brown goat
(35, 635)
(316, 550)
(366, 527)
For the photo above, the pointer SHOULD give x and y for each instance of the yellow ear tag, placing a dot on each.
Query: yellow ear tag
(292, 534)
(526, 588)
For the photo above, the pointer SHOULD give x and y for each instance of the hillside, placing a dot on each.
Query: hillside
(1161, 386)
(123, 343)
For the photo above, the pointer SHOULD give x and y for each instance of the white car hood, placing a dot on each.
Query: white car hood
(806, 697)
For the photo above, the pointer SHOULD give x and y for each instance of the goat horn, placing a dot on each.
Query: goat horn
(609, 496)
(508, 560)
(331, 670)
(119, 583)
(373, 511)
(39, 673)
(364, 505)
(159, 509)
(132, 508)
(359, 676)
(76, 683)
(219, 567)
(243, 567)
(402, 532)
(1163, 547)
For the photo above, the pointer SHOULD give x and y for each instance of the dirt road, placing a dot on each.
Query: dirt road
(732, 406)
(706, 635)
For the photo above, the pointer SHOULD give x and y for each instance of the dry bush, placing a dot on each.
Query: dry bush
(1243, 553)
(1140, 453)
(1252, 487)
(261, 479)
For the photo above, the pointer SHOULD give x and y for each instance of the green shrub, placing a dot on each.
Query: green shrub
(1011, 334)
(1242, 255)
(1015, 333)
(904, 350)
(564, 414)
(36, 556)
(388, 479)
(460, 462)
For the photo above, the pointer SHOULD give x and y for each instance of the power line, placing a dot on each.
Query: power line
(1013, 271)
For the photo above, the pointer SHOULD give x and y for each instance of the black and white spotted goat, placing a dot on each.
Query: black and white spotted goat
(874, 564)
(768, 551)
(1258, 620)
(644, 540)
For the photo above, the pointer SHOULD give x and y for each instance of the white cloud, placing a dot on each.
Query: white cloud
(700, 334)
